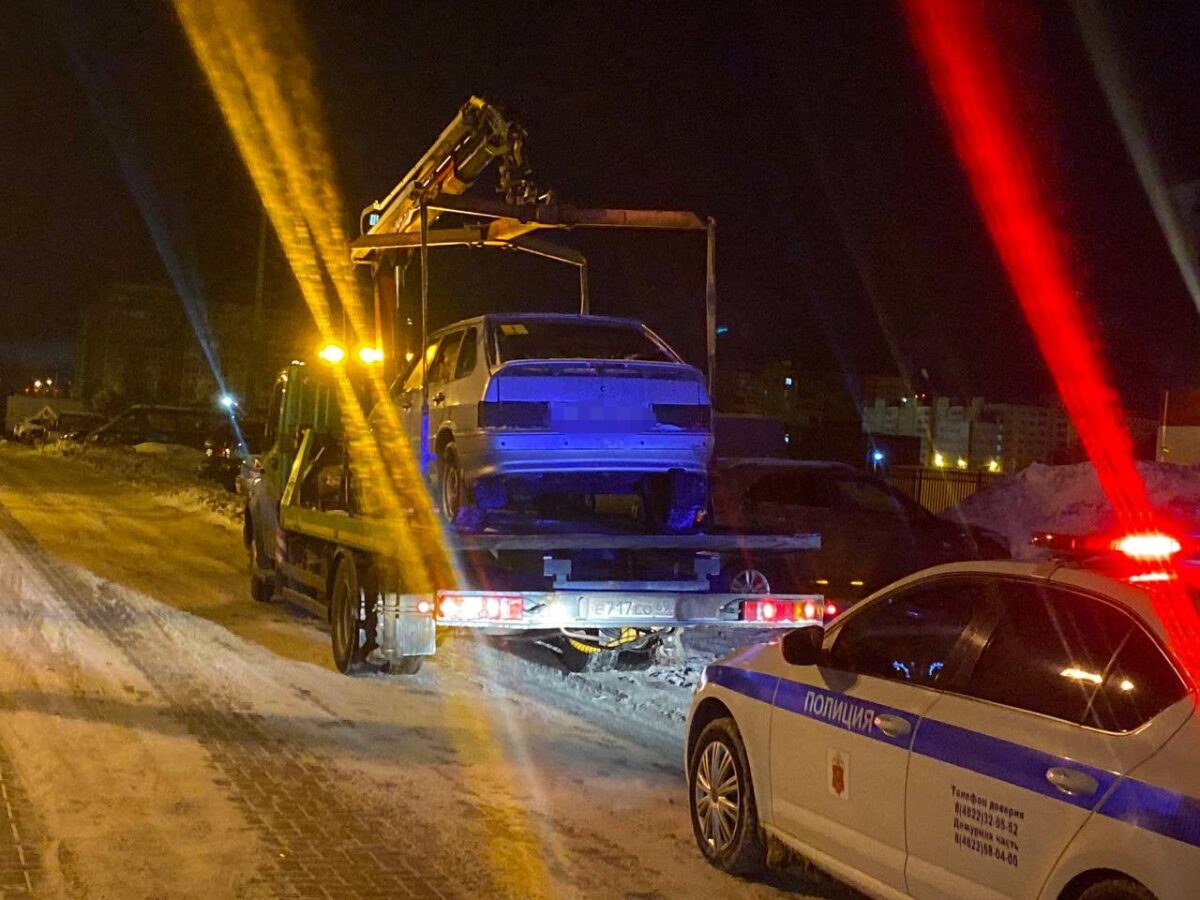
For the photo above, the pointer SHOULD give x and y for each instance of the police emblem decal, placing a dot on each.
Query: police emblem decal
(839, 773)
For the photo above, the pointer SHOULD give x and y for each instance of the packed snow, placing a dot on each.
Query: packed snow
(224, 757)
(1068, 499)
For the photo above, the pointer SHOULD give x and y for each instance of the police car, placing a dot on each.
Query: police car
(988, 729)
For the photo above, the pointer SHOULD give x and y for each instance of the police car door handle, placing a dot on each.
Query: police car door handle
(1071, 781)
(892, 726)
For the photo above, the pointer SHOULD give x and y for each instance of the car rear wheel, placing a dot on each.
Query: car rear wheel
(453, 493)
(721, 799)
(1116, 889)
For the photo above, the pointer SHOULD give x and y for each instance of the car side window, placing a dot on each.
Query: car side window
(413, 381)
(790, 489)
(1073, 657)
(909, 636)
(444, 361)
(467, 354)
(867, 496)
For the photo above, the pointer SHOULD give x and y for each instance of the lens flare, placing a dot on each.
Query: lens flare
(255, 58)
(976, 93)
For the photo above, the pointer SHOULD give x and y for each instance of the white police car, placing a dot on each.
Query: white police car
(992, 729)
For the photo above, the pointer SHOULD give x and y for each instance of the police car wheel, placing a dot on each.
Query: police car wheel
(721, 800)
(1116, 889)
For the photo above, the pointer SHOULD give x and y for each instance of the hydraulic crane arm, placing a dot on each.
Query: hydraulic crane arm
(478, 134)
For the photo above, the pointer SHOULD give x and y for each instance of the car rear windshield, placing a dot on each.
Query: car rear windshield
(550, 339)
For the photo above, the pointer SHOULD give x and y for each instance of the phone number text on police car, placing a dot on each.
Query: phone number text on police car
(986, 827)
(983, 817)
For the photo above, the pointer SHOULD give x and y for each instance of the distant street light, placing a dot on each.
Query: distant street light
(227, 401)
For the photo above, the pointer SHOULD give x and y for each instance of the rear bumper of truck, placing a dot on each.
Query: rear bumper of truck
(406, 623)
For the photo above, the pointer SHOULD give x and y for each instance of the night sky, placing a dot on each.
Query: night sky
(845, 227)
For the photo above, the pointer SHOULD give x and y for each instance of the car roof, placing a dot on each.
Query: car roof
(543, 317)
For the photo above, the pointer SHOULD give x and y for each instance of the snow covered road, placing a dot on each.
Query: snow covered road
(163, 736)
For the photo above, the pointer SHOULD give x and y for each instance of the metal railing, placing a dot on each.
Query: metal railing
(938, 489)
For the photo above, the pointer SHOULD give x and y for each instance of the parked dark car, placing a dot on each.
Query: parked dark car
(226, 450)
(72, 426)
(871, 534)
(159, 425)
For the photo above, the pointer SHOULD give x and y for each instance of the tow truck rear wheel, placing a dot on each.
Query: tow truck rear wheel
(351, 618)
(721, 800)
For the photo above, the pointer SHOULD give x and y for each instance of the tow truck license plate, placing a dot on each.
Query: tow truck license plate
(602, 608)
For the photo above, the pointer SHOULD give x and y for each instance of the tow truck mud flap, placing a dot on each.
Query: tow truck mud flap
(405, 627)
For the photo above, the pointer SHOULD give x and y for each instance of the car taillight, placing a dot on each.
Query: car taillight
(514, 414)
(689, 416)
(831, 610)
(462, 607)
(769, 610)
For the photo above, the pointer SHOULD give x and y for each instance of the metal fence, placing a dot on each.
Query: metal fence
(938, 489)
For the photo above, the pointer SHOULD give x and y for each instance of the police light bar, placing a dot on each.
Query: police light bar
(1141, 546)
(1147, 545)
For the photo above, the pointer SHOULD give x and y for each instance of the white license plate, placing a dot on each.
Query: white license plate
(603, 608)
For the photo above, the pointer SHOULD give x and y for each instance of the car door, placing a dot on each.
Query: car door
(462, 393)
(408, 397)
(840, 732)
(441, 373)
(1011, 760)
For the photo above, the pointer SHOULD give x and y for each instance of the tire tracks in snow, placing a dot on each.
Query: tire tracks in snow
(323, 842)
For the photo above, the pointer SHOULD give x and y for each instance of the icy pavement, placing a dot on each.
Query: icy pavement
(163, 736)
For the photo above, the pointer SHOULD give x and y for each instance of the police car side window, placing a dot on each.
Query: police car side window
(1139, 685)
(910, 636)
(1073, 657)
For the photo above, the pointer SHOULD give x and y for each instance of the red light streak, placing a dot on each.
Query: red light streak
(975, 92)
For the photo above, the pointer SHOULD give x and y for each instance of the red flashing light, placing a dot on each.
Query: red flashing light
(1150, 577)
(1147, 545)
(981, 91)
(831, 610)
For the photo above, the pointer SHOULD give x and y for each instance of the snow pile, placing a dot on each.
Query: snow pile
(169, 470)
(1069, 499)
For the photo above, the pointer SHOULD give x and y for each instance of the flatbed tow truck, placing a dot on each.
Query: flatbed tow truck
(340, 521)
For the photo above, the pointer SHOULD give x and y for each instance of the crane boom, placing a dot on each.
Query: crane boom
(479, 133)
